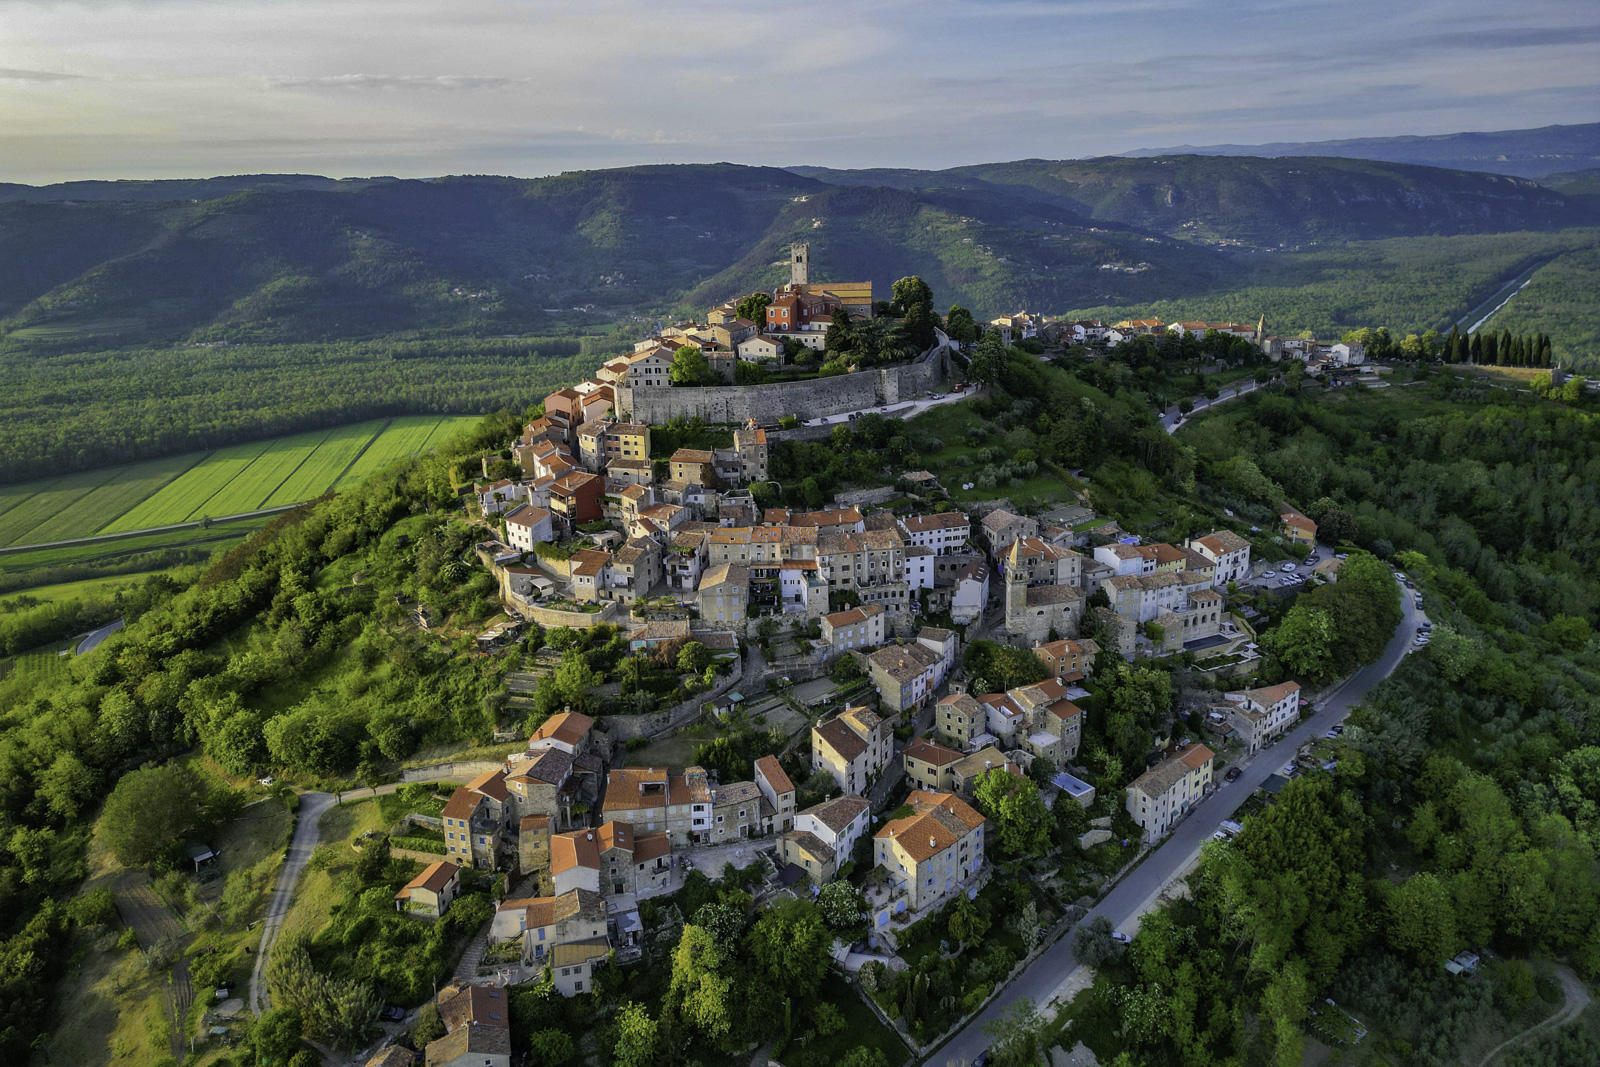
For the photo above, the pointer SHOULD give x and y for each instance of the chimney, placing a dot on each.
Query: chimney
(933, 842)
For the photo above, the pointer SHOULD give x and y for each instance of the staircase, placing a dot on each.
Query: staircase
(472, 955)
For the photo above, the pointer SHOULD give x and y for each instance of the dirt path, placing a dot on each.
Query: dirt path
(153, 922)
(1577, 999)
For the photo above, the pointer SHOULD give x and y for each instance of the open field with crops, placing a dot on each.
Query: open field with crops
(227, 481)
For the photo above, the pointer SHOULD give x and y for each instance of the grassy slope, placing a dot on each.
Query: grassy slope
(1563, 300)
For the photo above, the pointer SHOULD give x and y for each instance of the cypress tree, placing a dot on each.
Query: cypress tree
(1452, 346)
(1477, 348)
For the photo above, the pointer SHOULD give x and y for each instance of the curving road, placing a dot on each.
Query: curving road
(1136, 893)
(1169, 417)
(1577, 999)
(307, 834)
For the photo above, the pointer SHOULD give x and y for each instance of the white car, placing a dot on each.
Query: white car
(1287, 568)
(1400, 575)
(1121, 938)
(267, 781)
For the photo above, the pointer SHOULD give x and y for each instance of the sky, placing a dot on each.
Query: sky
(416, 88)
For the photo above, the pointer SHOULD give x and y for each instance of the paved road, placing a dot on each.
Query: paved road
(1169, 418)
(1138, 890)
(1486, 309)
(124, 535)
(307, 833)
(905, 410)
(92, 640)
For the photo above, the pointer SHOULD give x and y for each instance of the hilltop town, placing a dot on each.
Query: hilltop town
(925, 669)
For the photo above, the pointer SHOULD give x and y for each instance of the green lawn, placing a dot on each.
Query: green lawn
(51, 594)
(862, 1028)
(322, 468)
(187, 497)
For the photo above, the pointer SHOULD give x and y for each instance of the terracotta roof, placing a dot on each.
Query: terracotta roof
(769, 768)
(939, 821)
(490, 784)
(1272, 693)
(528, 515)
(840, 812)
(999, 519)
(931, 752)
(1064, 709)
(947, 802)
(472, 1039)
(626, 788)
(537, 911)
(691, 455)
(483, 1005)
(860, 613)
(725, 574)
(534, 822)
(434, 877)
(569, 727)
(589, 561)
(650, 846)
(570, 851)
(839, 737)
(980, 762)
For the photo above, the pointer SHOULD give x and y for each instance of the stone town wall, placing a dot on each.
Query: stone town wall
(768, 403)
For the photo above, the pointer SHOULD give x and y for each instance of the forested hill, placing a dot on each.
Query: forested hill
(1258, 202)
(293, 258)
(1528, 153)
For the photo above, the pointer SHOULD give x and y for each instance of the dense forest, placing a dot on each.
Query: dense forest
(1460, 813)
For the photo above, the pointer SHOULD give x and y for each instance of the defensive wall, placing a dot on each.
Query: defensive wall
(805, 400)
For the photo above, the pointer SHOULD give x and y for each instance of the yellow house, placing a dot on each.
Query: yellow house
(1296, 527)
(928, 764)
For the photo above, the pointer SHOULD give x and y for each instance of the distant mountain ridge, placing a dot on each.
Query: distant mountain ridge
(299, 258)
(1531, 153)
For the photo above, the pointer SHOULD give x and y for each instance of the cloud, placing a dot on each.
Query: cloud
(393, 82)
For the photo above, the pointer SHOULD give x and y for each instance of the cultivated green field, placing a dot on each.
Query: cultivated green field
(228, 481)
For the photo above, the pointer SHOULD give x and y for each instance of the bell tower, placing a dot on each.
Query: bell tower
(799, 264)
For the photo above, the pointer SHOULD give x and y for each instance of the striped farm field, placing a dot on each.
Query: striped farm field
(406, 436)
(250, 490)
(48, 498)
(235, 480)
(187, 496)
(127, 490)
(323, 467)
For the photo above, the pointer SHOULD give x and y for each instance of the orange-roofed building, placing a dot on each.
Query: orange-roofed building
(430, 893)
(1161, 796)
(933, 852)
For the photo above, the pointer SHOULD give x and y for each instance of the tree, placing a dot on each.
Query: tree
(1421, 920)
(693, 658)
(66, 785)
(789, 944)
(150, 811)
(724, 922)
(988, 360)
(754, 308)
(1337, 526)
(863, 1056)
(1016, 1038)
(689, 367)
(842, 907)
(553, 1047)
(910, 292)
(275, 1036)
(636, 1037)
(1015, 810)
(966, 924)
(1092, 943)
(1304, 643)
(960, 325)
(699, 989)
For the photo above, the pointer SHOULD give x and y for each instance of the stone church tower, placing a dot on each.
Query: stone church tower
(799, 264)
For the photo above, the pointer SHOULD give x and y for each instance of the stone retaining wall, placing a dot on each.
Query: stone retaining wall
(805, 400)
(450, 770)
(578, 620)
(626, 727)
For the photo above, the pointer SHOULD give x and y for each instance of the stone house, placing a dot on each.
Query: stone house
(854, 628)
(1002, 527)
(1158, 798)
(928, 764)
(724, 594)
(430, 893)
(1263, 715)
(778, 790)
(852, 748)
(932, 852)
(1068, 661)
(959, 718)
(476, 820)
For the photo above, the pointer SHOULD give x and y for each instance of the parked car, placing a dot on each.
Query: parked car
(1121, 938)
(1233, 774)
(1401, 575)
(1287, 568)
(393, 1013)
(266, 782)
(1342, 555)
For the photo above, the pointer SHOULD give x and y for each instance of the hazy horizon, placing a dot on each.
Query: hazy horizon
(420, 88)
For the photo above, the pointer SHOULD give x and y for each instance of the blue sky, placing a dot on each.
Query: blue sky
(168, 88)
